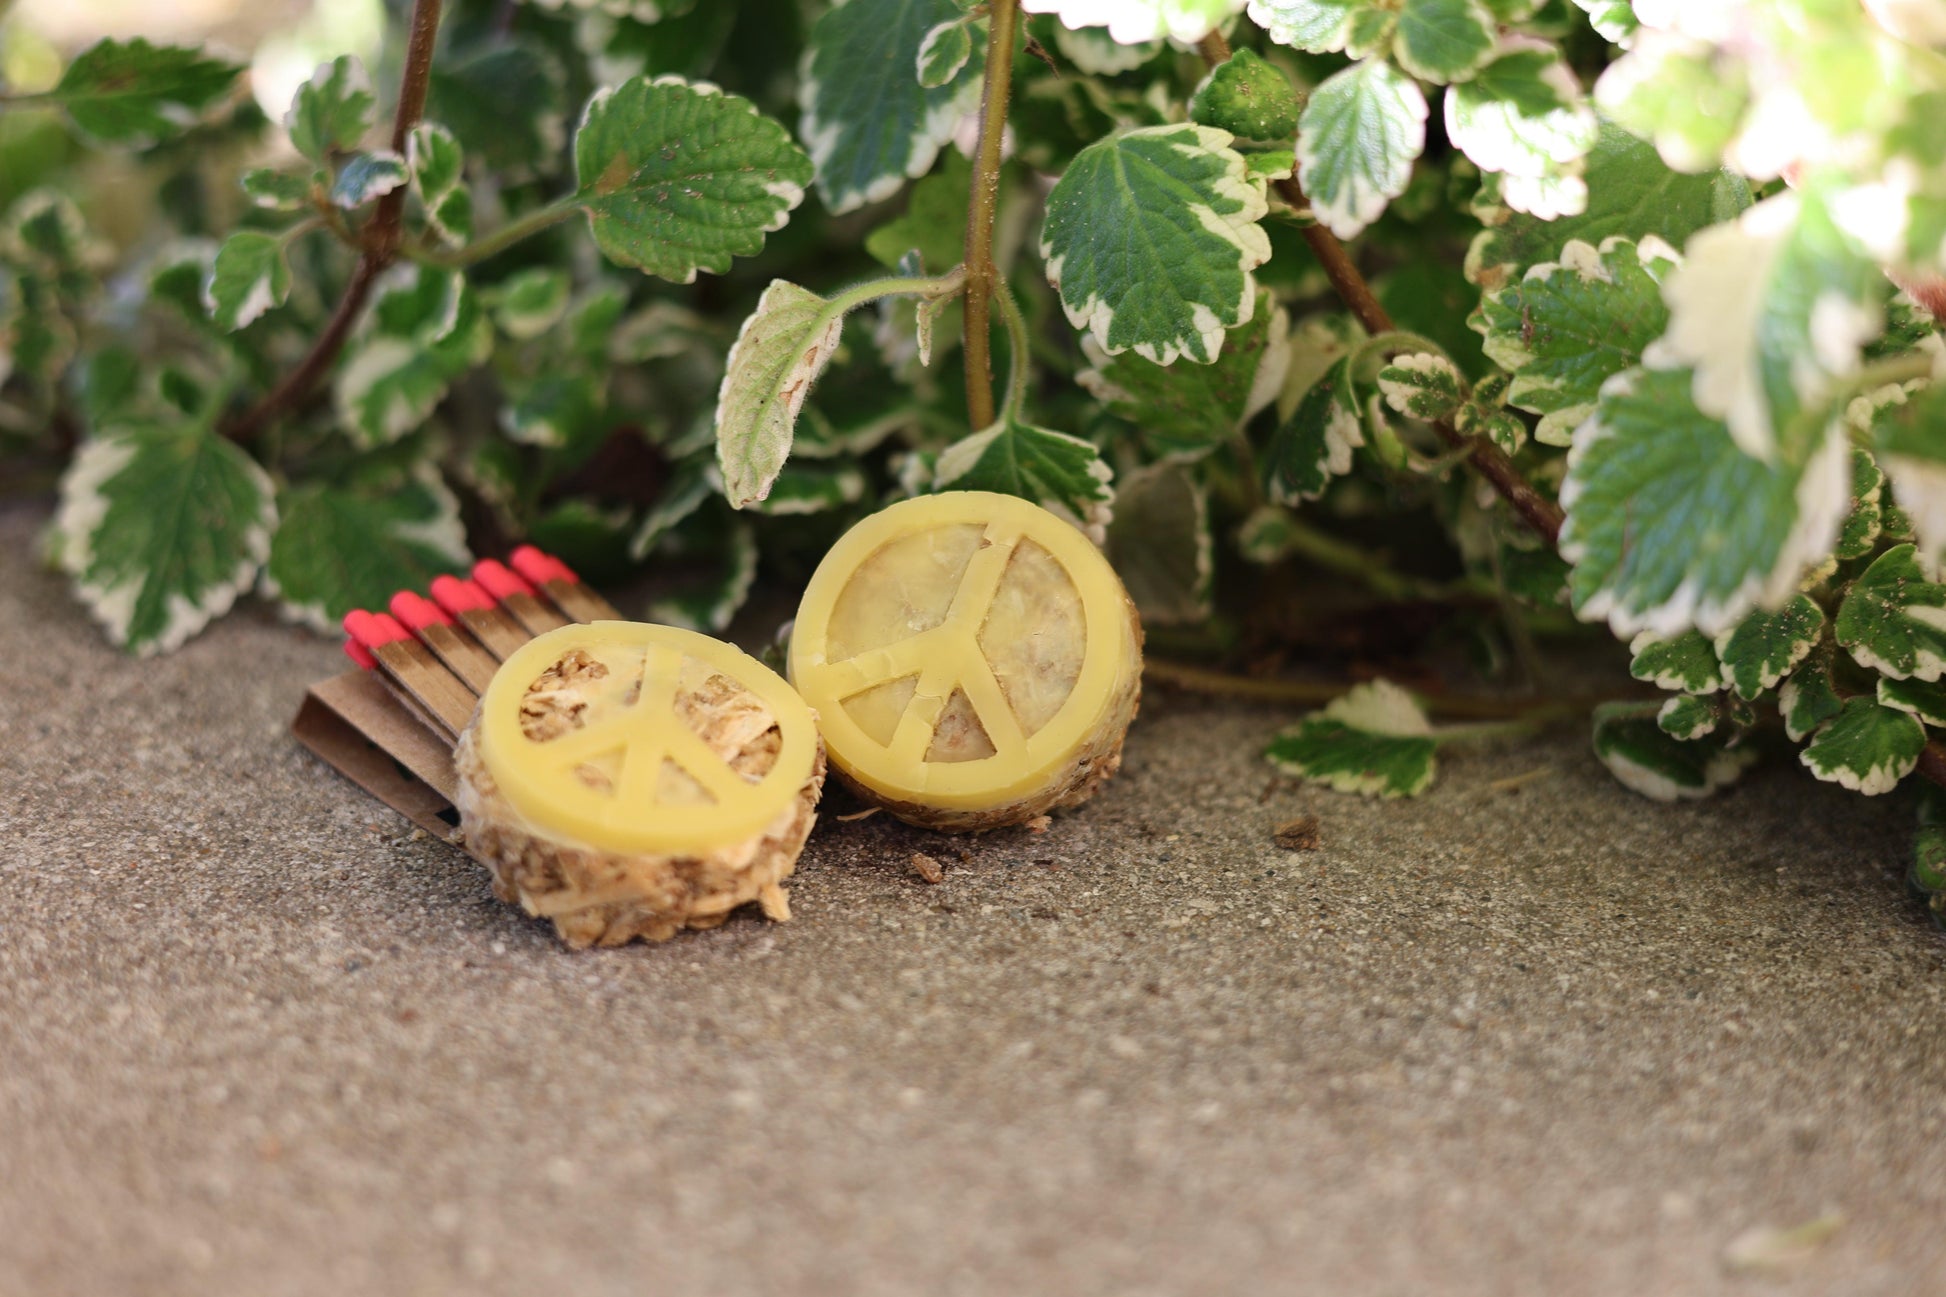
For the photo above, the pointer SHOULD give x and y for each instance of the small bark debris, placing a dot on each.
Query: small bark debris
(929, 869)
(1300, 834)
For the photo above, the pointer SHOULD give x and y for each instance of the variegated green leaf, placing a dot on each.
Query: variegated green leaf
(1762, 649)
(343, 547)
(1052, 469)
(1893, 619)
(1357, 140)
(1159, 542)
(1375, 740)
(1866, 747)
(1685, 662)
(1646, 760)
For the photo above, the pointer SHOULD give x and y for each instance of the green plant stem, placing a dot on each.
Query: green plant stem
(378, 242)
(541, 218)
(1360, 564)
(1018, 350)
(985, 196)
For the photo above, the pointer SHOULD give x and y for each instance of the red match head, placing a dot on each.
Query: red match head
(418, 612)
(498, 580)
(371, 629)
(540, 568)
(457, 595)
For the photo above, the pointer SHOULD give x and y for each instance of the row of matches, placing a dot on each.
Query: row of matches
(437, 655)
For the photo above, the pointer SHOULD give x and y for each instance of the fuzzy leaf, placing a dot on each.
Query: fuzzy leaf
(1314, 445)
(868, 122)
(1375, 740)
(1422, 385)
(1925, 700)
(1567, 327)
(1188, 410)
(1050, 468)
(1768, 311)
(1249, 98)
(1761, 649)
(781, 350)
(1443, 40)
(1151, 237)
(339, 548)
(1631, 193)
(506, 104)
(161, 529)
(425, 330)
(1159, 542)
(332, 111)
(1859, 535)
(943, 54)
(1685, 662)
(1893, 620)
(439, 178)
(249, 277)
(1670, 524)
(677, 178)
(813, 487)
(1523, 114)
(1130, 22)
(132, 92)
(1651, 762)
(1357, 140)
(1866, 747)
(1808, 697)
(366, 177)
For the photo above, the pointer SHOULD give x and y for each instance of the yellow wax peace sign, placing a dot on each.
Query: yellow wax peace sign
(959, 648)
(635, 776)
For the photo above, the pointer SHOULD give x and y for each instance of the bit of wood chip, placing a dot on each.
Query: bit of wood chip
(929, 869)
(1769, 1247)
(1300, 834)
(856, 816)
(1038, 824)
(1514, 783)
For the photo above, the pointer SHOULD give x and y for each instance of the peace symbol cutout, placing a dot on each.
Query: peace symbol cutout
(635, 776)
(959, 647)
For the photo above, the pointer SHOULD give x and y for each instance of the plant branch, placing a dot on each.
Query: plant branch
(1540, 513)
(985, 196)
(378, 241)
(500, 240)
(1017, 344)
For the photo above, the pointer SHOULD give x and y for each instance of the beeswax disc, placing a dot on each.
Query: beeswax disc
(972, 659)
(623, 767)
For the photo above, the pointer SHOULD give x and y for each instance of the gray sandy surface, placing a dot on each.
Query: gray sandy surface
(257, 1036)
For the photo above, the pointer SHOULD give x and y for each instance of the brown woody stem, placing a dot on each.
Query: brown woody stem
(979, 214)
(378, 242)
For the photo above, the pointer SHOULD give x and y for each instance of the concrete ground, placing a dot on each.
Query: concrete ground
(259, 1037)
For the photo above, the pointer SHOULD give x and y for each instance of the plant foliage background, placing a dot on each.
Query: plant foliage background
(1348, 326)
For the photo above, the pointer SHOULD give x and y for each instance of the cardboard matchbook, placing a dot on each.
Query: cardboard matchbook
(389, 723)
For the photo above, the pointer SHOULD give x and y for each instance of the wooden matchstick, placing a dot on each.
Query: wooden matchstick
(474, 609)
(411, 666)
(516, 597)
(558, 582)
(453, 646)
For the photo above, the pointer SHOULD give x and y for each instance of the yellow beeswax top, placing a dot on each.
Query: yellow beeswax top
(624, 768)
(959, 648)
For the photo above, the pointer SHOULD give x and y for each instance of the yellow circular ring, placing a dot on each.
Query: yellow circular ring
(1004, 777)
(543, 787)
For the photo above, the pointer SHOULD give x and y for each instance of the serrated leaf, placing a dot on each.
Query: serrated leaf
(1160, 544)
(343, 547)
(1131, 22)
(1671, 525)
(367, 176)
(277, 191)
(1769, 311)
(439, 178)
(1063, 473)
(779, 353)
(1443, 40)
(332, 111)
(1422, 385)
(426, 329)
(1375, 741)
(161, 528)
(1249, 98)
(1567, 327)
(1859, 535)
(1925, 700)
(1685, 662)
(1687, 717)
(1613, 20)
(1762, 649)
(134, 93)
(1866, 747)
(532, 301)
(868, 122)
(1151, 238)
(1185, 411)
(1909, 430)
(1316, 26)
(1676, 93)
(1356, 143)
(678, 177)
(1314, 445)
(248, 277)
(813, 487)
(1631, 193)
(1648, 761)
(506, 105)
(1893, 619)
(1808, 697)
(934, 223)
(944, 53)
(1485, 414)
(1523, 114)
